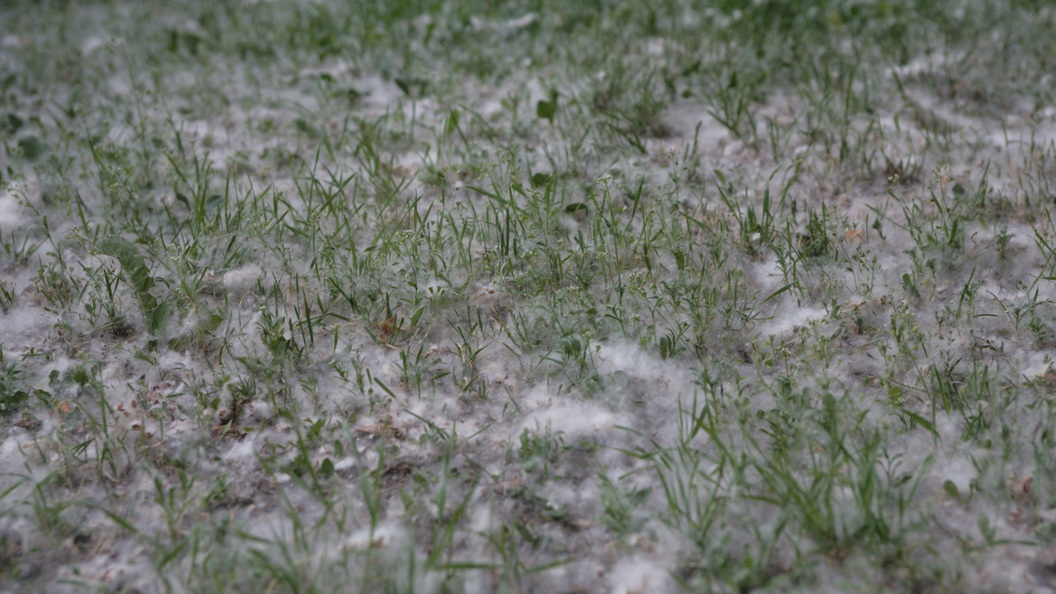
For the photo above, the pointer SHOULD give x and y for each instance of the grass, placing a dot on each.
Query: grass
(428, 296)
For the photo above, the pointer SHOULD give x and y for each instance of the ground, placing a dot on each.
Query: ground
(527, 296)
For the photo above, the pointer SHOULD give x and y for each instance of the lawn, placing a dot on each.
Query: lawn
(527, 296)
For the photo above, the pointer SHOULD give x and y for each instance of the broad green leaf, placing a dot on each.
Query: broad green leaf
(135, 269)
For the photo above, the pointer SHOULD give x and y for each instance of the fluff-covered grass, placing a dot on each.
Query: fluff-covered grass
(460, 296)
